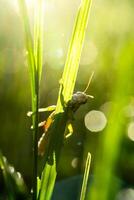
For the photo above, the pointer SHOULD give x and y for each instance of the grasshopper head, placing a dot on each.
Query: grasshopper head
(78, 99)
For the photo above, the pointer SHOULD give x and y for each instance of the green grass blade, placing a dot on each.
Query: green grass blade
(38, 185)
(38, 30)
(34, 84)
(29, 45)
(74, 52)
(34, 49)
(47, 181)
(85, 178)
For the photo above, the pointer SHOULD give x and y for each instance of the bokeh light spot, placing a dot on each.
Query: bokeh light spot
(79, 143)
(126, 194)
(11, 169)
(95, 121)
(74, 162)
(129, 110)
(106, 107)
(130, 131)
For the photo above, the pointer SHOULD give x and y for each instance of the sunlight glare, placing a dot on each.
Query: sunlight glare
(29, 4)
(89, 53)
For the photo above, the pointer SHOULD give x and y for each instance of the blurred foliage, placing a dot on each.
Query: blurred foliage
(110, 31)
(14, 184)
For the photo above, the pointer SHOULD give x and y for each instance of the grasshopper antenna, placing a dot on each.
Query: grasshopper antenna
(90, 79)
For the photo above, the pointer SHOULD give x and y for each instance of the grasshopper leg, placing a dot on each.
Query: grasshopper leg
(47, 123)
(47, 109)
(41, 124)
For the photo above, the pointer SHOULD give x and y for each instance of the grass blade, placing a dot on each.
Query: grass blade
(38, 26)
(47, 182)
(34, 49)
(29, 45)
(85, 178)
(74, 53)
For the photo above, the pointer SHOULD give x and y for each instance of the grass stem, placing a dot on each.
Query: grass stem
(34, 49)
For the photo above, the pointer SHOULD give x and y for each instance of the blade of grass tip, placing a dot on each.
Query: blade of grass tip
(78, 37)
(29, 45)
(74, 53)
(85, 178)
(38, 30)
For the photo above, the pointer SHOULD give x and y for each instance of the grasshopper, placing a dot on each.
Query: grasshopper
(57, 126)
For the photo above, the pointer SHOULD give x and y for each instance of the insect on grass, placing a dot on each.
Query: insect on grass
(51, 140)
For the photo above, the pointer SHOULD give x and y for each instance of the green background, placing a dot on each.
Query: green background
(110, 30)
